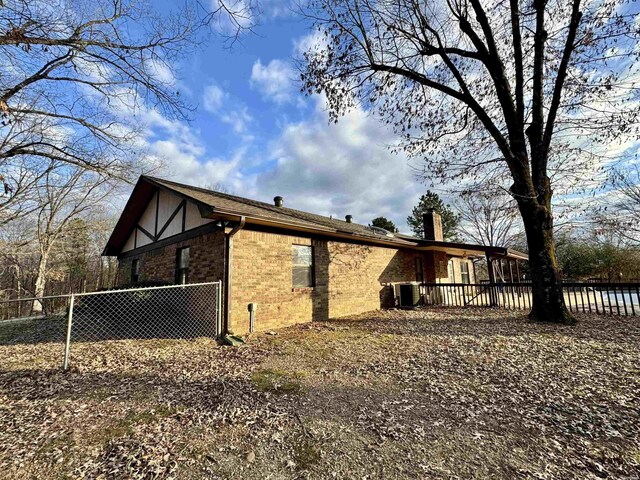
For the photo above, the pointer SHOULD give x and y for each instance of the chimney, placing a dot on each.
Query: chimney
(277, 201)
(348, 218)
(432, 222)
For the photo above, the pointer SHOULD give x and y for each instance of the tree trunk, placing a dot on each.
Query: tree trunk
(41, 281)
(548, 300)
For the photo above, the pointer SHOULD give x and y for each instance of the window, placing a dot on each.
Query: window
(182, 265)
(464, 272)
(419, 274)
(302, 256)
(451, 271)
(135, 270)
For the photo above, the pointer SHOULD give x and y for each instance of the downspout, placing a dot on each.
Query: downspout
(228, 273)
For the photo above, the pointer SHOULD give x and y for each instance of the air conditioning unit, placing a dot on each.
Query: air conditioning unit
(407, 294)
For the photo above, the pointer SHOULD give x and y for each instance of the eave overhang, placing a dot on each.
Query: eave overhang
(471, 250)
(146, 187)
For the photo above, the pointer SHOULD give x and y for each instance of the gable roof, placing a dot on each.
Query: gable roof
(224, 202)
(223, 206)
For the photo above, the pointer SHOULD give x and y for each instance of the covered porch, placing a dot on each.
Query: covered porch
(504, 283)
(504, 265)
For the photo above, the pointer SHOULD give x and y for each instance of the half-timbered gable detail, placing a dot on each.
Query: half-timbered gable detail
(166, 215)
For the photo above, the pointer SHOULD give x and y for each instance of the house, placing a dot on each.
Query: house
(296, 266)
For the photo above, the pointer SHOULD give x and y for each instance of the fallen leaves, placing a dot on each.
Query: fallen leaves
(439, 393)
(132, 459)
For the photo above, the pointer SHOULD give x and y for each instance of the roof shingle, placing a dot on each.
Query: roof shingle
(226, 203)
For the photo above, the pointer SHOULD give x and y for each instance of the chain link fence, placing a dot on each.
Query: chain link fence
(34, 320)
(167, 312)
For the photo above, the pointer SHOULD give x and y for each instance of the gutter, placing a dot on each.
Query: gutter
(308, 228)
(228, 263)
(516, 255)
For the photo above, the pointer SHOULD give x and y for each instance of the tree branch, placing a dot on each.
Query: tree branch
(574, 24)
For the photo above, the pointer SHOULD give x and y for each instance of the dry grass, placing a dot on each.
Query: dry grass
(441, 393)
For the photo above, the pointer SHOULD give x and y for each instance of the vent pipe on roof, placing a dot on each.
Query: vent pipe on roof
(348, 218)
(278, 201)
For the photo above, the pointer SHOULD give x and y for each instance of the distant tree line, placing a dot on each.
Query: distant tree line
(34, 263)
(594, 257)
(604, 246)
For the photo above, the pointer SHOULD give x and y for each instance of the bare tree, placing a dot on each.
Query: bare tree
(220, 187)
(16, 257)
(621, 213)
(67, 194)
(78, 78)
(488, 90)
(488, 218)
(74, 262)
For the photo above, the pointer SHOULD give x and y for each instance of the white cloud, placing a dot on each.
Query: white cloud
(228, 110)
(233, 17)
(239, 118)
(329, 169)
(161, 71)
(204, 172)
(279, 8)
(275, 80)
(213, 98)
(180, 155)
(340, 169)
(313, 42)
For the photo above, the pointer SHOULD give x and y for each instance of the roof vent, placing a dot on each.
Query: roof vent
(348, 218)
(278, 201)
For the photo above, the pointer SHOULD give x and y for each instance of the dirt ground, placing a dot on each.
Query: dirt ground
(439, 393)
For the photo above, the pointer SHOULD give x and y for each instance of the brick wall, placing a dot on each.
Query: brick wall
(436, 267)
(360, 276)
(262, 274)
(348, 279)
(206, 261)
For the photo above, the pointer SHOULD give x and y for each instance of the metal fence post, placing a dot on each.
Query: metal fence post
(219, 309)
(65, 363)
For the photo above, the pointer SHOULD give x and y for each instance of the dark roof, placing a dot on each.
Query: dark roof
(224, 202)
(225, 206)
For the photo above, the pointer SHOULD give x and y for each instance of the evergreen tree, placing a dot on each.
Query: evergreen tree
(431, 200)
(382, 222)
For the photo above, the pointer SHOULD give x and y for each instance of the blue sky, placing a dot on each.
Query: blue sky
(256, 134)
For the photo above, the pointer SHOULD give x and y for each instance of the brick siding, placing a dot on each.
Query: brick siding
(436, 267)
(206, 261)
(349, 278)
(262, 274)
(360, 276)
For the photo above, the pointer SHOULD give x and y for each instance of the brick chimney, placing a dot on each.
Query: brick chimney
(432, 222)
